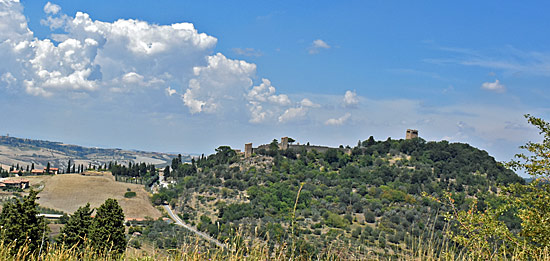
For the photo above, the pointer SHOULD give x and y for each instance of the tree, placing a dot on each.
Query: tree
(483, 230)
(77, 230)
(108, 228)
(69, 167)
(20, 223)
(48, 168)
(167, 172)
(291, 140)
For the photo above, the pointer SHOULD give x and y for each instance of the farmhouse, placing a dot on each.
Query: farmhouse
(9, 183)
(52, 170)
(37, 171)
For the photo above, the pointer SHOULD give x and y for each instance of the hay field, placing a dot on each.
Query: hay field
(68, 192)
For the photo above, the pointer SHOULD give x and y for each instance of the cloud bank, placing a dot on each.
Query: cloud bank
(103, 59)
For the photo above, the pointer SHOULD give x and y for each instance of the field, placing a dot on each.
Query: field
(68, 192)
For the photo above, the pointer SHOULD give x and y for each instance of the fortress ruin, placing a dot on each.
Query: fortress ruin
(411, 134)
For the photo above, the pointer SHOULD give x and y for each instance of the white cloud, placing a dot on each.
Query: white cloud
(95, 56)
(350, 98)
(338, 121)
(221, 81)
(493, 86)
(170, 91)
(249, 52)
(317, 46)
(90, 58)
(299, 111)
(266, 92)
(308, 103)
(264, 103)
(293, 114)
(50, 8)
(257, 113)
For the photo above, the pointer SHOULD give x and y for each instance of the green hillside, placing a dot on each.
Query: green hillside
(373, 197)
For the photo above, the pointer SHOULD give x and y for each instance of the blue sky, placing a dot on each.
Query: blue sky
(187, 76)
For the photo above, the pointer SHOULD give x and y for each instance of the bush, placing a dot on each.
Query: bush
(136, 244)
(129, 194)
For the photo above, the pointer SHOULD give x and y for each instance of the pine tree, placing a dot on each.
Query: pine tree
(77, 230)
(20, 223)
(108, 228)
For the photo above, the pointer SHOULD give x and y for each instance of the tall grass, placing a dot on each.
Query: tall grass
(431, 249)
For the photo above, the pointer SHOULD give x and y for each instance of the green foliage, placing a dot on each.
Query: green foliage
(21, 225)
(130, 194)
(381, 179)
(335, 220)
(484, 230)
(108, 228)
(78, 228)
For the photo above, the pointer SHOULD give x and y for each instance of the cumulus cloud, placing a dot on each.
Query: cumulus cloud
(221, 81)
(95, 56)
(50, 8)
(90, 58)
(298, 112)
(293, 114)
(493, 86)
(264, 103)
(350, 98)
(338, 121)
(266, 92)
(317, 46)
(308, 103)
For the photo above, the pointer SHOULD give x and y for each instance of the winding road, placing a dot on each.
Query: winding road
(192, 229)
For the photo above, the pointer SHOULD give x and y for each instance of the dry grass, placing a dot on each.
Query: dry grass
(68, 192)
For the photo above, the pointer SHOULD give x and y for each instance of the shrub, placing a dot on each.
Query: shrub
(129, 194)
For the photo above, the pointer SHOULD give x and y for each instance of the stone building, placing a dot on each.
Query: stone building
(411, 134)
(284, 143)
(247, 150)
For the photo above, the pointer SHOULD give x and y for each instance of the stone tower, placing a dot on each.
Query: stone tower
(411, 134)
(247, 150)
(284, 143)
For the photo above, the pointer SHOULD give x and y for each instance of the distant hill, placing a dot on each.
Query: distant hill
(23, 152)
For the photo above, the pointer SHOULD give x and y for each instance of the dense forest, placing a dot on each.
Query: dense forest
(377, 195)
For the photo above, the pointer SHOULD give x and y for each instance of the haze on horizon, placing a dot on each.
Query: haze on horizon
(187, 77)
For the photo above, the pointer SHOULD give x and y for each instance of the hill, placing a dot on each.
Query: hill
(373, 197)
(25, 152)
(68, 192)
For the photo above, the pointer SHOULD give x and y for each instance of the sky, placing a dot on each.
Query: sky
(189, 76)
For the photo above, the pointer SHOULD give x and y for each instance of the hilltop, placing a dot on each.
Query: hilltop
(25, 152)
(372, 197)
